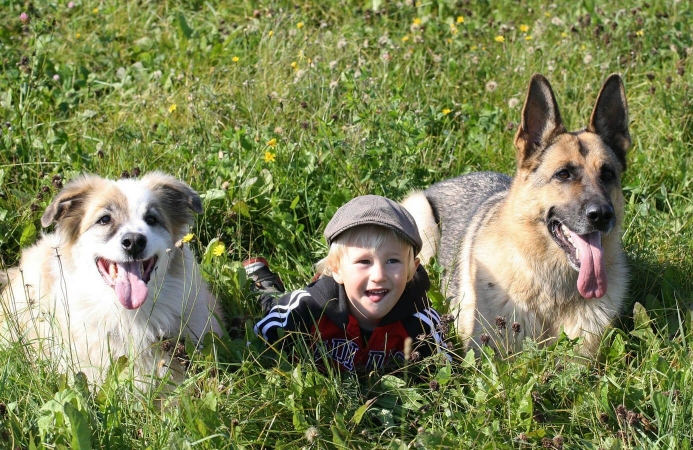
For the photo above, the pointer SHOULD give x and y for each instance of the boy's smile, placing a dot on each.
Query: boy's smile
(374, 279)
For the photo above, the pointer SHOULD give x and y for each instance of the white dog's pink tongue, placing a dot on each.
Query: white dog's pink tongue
(592, 278)
(129, 287)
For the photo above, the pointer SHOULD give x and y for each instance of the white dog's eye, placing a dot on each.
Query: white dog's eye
(150, 220)
(104, 220)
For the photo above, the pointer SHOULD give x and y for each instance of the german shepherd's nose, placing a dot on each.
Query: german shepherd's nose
(133, 243)
(600, 215)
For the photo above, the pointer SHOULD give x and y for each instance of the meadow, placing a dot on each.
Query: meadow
(280, 112)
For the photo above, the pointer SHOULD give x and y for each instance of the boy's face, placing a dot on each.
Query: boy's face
(374, 280)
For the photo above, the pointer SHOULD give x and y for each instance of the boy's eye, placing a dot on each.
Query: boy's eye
(393, 261)
(363, 261)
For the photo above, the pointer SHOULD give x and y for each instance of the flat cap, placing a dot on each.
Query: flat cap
(374, 210)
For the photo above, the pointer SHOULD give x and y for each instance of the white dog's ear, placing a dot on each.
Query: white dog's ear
(541, 121)
(173, 193)
(69, 201)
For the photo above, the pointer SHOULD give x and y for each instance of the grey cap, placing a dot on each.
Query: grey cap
(374, 210)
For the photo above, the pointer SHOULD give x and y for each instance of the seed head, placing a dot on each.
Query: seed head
(516, 327)
(621, 412)
(311, 434)
(558, 442)
(501, 323)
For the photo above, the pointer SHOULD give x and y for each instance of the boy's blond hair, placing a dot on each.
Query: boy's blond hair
(366, 236)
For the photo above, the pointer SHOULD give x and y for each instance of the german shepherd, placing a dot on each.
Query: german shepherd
(540, 253)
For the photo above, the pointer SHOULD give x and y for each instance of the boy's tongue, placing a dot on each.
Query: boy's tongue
(592, 278)
(376, 295)
(129, 286)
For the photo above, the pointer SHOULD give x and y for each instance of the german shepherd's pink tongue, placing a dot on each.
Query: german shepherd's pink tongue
(129, 286)
(592, 278)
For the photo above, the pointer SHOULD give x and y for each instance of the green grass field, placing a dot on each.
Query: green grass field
(278, 113)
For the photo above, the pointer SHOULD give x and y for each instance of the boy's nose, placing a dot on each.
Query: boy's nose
(377, 272)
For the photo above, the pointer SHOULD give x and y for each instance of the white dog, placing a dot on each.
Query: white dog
(111, 281)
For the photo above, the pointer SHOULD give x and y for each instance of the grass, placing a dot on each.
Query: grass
(280, 112)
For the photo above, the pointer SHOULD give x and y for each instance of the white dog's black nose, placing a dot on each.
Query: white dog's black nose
(133, 243)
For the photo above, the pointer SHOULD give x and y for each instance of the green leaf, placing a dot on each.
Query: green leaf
(28, 235)
(444, 374)
(241, 208)
(358, 415)
(81, 432)
(184, 27)
(213, 194)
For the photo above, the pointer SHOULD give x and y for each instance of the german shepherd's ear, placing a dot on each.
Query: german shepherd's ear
(609, 118)
(541, 121)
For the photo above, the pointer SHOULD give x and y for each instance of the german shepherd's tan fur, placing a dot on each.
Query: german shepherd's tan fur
(532, 255)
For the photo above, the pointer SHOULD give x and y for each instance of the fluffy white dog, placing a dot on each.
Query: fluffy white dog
(111, 281)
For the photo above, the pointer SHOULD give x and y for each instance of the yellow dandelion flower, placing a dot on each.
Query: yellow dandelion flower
(271, 33)
(219, 249)
(528, 38)
(405, 38)
(473, 48)
(460, 19)
(294, 65)
(640, 32)
(446, 111)
(235, 59)
(564, 35)
(172, 108)
(78, 35)
(547, 14)
(269, 156)
(272, 142)
(95, 10)
(188, 237)
(417, 21)
(524, 28)
(499, 39)
(299, 25)
(448, 40)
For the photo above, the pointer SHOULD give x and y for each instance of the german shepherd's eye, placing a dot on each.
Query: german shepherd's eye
(608, 174)
(563, 174)
(150, 220)
(104, 220)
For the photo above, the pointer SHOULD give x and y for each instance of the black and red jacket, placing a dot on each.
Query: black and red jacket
(321, 309)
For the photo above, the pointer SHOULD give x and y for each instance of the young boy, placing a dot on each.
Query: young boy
(370, 297)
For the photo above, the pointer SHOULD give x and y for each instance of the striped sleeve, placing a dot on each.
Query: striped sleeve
(290, 313)
(429, 325)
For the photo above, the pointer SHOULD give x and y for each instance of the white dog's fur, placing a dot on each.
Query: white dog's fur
(82, 296)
